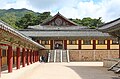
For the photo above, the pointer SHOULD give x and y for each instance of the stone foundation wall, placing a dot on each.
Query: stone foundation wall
(92, 55)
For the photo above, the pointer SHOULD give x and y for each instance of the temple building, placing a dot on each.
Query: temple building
(58, 40)
(16, 49)
(113, 28)
(65, 40)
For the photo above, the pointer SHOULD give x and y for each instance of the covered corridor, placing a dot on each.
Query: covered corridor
(16, 49)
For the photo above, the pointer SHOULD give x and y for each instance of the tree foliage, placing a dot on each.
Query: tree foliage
(22, 18)
(30, 19)
(27, 19)
(92, 23)
(11, 16)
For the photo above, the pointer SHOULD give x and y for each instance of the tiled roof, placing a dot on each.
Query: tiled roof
(7, 27)
(110, 26)
(39, 27)
(65, 33)
(58, 14)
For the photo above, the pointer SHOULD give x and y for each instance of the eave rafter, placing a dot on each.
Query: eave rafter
(14, 40)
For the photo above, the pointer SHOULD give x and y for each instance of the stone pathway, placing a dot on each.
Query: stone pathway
(74, 70)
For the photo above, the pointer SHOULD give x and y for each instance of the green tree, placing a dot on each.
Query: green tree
(92, 23)
(41, 17)
(27, 20)
(31, 19)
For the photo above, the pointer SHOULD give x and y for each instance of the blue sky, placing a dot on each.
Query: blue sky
(107, 9)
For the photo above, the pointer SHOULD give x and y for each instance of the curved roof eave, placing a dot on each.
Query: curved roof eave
(7, 27)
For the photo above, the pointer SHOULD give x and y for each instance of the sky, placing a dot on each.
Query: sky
(107, 9)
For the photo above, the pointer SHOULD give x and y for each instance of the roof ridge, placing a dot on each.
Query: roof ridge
(51, 18)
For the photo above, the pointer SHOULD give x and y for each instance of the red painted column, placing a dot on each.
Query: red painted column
(27, 53)
(0, 60)
(65, 44)
(10, 59)
(108, 44)
(23, 57)
(51, 44)
(18, 58)
(79, 44)
(37, 55)
(30, 56)
(94, 44)
(38, 41)
(33, 57)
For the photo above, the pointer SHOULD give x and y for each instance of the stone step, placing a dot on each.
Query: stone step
(60, 56)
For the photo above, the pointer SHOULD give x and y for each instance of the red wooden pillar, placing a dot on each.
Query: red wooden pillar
(30, 56)
(65, 44)
(0, 60)
(23, 57)
(10, 59)
(33, 57)
(94, 44)
(18, 58)
(79, 44)
(37, 55)
(108, 44)
(38, 41)
(27, 56)
(51, 44)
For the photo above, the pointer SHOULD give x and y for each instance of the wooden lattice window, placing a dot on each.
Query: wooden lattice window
(45, 42)
(72, 42)
(101, 42)
(114, 41)
(86, 42)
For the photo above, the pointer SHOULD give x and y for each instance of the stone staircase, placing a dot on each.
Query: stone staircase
(64, 58)
(58, 56)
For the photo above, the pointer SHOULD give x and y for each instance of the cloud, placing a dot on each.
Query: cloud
(52, 5)
(107, 9)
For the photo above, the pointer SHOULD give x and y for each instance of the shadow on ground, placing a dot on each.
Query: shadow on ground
(88, 72)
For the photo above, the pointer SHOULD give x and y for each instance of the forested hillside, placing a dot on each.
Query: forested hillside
(22, 18)
(12, 16)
